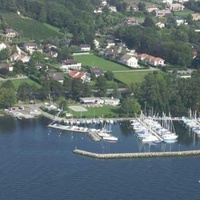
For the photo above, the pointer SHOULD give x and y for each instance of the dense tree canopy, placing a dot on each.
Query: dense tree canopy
(74, 15)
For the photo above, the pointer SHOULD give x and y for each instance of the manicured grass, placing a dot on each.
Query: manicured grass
(184, 13)
(30, 28)
(97, 112)
(131, 77)
(17, 82)
(95, 61)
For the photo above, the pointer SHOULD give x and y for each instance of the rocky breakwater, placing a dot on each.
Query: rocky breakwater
(136, 155)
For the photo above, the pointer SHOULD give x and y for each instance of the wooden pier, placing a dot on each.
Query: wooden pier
(136, 155)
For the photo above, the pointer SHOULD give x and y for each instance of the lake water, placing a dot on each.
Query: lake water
(38, 163)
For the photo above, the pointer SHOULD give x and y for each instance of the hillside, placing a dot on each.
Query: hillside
(30, 28)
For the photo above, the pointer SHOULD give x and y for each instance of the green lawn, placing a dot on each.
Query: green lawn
(30, 28)
(95, 61)
(17, 82)
(184, 13)
(97, 112)
(131, 77)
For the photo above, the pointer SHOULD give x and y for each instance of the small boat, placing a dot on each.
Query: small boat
(169, 137)
(150, 138)
(110, 138)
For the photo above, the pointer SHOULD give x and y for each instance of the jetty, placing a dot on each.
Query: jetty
(136, 155)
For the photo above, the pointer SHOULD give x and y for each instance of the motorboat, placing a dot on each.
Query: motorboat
(110, 138)
(150, 138)
(169, 137)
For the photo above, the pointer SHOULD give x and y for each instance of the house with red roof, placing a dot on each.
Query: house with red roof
(81, 75)
(155, 61)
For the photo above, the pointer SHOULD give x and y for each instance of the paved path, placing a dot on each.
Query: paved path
(138, 70)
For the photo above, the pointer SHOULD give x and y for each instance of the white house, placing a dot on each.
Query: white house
(129, 60)
(162, 13)
(111, 101)
(91, 100)
(156, 61)
(70, 64)
(24, 58)
(195, 16)
(30, 47)
(2, 46)
(96, 43)
(10, 33)
(152, 8)
(85, 47)
(112, 8)
(104, 2)
(160, 25)
(109, 43)
(181, 21)
(176, 7)
(100, 100)
(98, 10)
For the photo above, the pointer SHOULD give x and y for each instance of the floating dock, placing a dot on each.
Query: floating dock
(152, 131)
(136, 155)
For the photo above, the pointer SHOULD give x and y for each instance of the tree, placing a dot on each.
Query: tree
(63, 104)
(116, 93)
(148, 22)
(130, 106)
(4, 54)
(7, 97)
(142, 6)
(101, 85)
(23, 92)
(43, 14)
(8, 85)
(109, 75)
(190, 19)
(86, 90)
(56, 88)
(76, 88)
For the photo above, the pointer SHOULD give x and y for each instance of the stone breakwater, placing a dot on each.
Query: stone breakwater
(137, 155)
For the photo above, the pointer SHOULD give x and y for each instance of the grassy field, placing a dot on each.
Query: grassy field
(30, 28)
(95, 61)
(96, 112)
(17, 82)
(131, 77)
(184, 13)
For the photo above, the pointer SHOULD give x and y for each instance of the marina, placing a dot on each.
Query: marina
(42, 159)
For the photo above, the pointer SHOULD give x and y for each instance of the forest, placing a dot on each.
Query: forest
(73, 16)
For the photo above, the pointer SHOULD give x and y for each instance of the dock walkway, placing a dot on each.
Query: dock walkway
(152, 131)
(94, 136)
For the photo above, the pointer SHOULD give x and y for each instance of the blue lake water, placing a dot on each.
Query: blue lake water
(38, 163)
